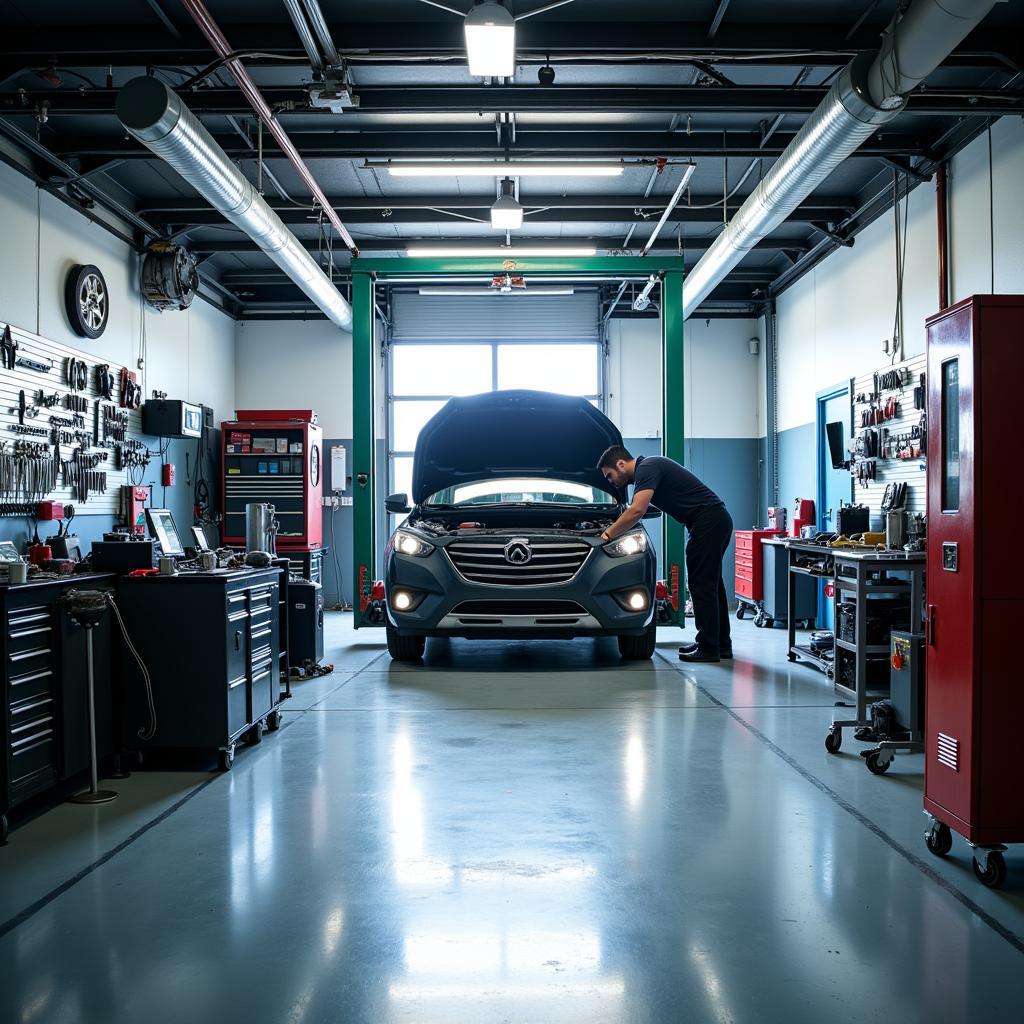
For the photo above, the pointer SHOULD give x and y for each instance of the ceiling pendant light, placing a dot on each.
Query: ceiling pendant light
(506, 213)
(498, 251)
(492, 168)
(490, 40)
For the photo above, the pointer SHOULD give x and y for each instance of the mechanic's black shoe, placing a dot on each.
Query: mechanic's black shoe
(700, 655)
(725, 654)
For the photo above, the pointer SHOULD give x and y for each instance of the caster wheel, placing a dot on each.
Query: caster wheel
(875, 765)
(769, 623)
(939, 840)
(995, 874)
(274, 721)
(254, 735)
(791, 656)
(833, 740)
(226, 760)
(4, 830)
(740, 612)
(759, 620)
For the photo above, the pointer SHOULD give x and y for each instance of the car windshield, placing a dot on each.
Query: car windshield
(515, 490)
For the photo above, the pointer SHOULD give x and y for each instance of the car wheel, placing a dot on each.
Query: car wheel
(639, 648)
(404, 648)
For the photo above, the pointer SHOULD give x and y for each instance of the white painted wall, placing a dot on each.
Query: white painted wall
(303, 364)
(832, 321)
(190, 354)
(721, 378)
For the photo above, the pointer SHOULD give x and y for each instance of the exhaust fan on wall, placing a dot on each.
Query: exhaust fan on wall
(170, 278)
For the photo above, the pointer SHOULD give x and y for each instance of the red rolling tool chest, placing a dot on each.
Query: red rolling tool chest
(274, 456)
(974, 704)
(749, 564)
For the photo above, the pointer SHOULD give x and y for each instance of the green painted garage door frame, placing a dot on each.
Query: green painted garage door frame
(367, 273)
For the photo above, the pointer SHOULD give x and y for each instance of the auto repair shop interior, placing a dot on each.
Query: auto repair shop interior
(368, 656)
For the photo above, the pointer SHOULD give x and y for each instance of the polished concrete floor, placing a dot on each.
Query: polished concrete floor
(514, 833)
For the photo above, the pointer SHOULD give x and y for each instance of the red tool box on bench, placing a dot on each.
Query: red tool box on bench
(273, 456)
(750, 563)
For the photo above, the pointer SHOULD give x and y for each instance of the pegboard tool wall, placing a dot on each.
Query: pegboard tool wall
(101, 510)
(891, 470)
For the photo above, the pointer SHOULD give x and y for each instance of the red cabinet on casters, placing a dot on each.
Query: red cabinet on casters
(975, 701)
(274, 456)
(750, 572)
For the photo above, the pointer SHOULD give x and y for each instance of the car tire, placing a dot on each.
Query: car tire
(404, 648)
(639, 648)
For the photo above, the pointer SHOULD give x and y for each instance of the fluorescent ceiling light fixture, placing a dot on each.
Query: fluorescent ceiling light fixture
(499, 251)
(506, 213)
(490, 40)
(499, 169)
(477, 292)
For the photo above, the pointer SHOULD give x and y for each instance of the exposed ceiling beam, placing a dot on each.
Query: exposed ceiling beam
(819, 205)
(356, 145)
(245, 245)
(808, 44)
(523, 99)
(536, 213)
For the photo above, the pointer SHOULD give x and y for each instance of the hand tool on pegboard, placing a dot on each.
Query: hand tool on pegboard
(8, 348)
(48, 401)
(76, 374)
(105, 381)
(34, 364)
(131, 393)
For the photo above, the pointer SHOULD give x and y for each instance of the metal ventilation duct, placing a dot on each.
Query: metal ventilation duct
(159, 119)
(868, 93)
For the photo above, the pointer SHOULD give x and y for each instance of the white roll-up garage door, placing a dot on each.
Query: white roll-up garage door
(495, 317)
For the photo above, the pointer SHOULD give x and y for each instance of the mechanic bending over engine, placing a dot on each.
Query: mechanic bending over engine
(677, 492)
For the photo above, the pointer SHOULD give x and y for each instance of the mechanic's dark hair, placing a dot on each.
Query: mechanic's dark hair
(612, 455)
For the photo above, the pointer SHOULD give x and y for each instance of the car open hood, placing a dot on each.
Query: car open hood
(510, 434)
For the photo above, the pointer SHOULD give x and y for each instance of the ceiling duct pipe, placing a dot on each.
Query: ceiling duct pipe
(868, 93)
(159, 119)
(297, 14)
(322, 32)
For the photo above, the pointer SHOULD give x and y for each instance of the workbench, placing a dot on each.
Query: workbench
(216, 678)
(805, 559)
(44, 704)
(867, 574)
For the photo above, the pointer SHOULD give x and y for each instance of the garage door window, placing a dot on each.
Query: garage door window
(424, 375)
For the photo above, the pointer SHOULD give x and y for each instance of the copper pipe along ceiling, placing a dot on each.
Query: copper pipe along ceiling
(942, 219)
(217, 40)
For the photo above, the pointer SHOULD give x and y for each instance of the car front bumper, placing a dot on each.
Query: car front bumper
(449, 605)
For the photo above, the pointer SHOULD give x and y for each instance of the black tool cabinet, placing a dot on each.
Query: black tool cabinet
(44, 706)
(211, 642)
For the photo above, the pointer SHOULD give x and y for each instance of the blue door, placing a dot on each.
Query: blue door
(834, 485)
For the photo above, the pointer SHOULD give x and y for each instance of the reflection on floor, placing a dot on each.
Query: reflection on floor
(519, 832)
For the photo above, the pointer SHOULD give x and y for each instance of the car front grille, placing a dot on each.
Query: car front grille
(552, 562)
(515, 607)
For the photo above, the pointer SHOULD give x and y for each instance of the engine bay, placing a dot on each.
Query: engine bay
(527, 520)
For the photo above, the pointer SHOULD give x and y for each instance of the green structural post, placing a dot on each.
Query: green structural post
(674, 431)
(363, 445)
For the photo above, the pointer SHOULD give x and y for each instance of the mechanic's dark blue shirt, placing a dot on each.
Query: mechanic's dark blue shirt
(677, 492)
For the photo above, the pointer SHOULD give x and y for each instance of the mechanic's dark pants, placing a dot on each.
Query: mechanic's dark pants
(709, 538)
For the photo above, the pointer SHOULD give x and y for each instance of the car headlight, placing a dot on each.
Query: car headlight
(629, 544)
(410, 544)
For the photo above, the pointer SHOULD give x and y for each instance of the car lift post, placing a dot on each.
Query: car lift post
(673, 432)
(366, 270)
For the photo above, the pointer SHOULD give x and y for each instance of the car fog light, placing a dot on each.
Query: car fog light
(638, 600)
(401, 600)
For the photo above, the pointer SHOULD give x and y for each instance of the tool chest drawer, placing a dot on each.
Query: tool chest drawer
(749, 563)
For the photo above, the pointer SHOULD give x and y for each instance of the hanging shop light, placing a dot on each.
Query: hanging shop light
(490, 40)
(506, 213)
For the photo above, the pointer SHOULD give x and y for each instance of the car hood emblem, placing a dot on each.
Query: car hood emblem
(518, 551)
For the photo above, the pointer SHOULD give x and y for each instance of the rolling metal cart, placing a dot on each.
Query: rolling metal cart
(870, 575)
(805, 560)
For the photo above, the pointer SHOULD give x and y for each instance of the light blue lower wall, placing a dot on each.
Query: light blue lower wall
(729, 466)
(797, 461)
